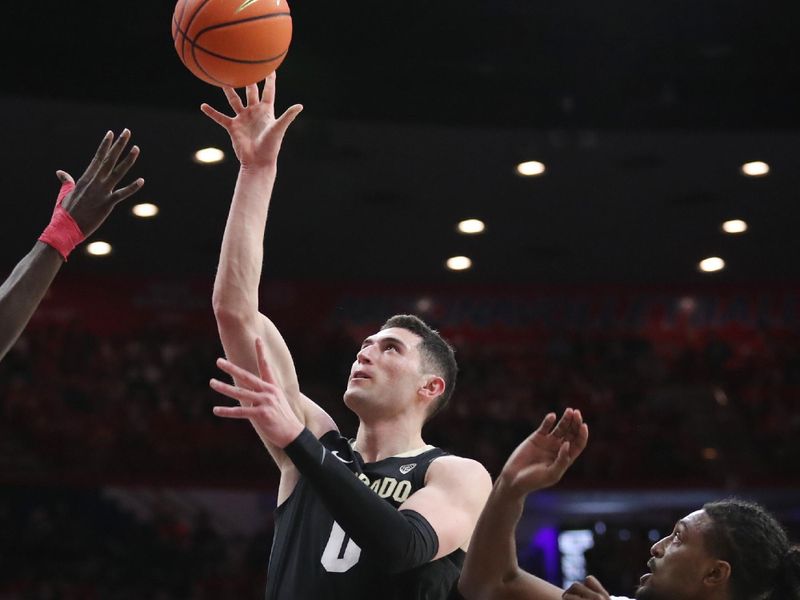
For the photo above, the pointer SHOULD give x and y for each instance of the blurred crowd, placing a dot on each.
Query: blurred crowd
(75, 544)
(82, 408)
(711, 411)
(700, 413)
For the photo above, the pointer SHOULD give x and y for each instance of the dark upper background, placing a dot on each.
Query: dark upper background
(416, 113)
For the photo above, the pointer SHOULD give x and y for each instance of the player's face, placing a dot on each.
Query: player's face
(386, 372)
(679, 562)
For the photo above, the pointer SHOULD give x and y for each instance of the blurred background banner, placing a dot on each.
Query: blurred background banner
(108, 303)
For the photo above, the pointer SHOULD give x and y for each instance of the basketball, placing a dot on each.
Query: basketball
(232, 42)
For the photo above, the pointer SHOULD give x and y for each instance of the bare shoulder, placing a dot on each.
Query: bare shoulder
(451, 469)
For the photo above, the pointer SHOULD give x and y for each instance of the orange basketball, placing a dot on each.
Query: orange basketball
(232, 42)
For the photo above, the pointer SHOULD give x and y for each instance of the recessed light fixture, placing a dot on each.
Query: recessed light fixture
(471, 226)
(711, 264)
(424, 305)
(531, 168)
(458, 263)
(734, 226)
(687, 304)
(145, 210)
(208, 156)
(99, 248)
(756, 168)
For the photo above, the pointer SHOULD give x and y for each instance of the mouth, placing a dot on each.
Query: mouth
(359, 376)
(651, 564)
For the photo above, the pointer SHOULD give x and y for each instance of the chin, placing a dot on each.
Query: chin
(645, 592)
(353, 399)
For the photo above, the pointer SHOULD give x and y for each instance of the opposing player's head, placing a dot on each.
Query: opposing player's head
(730, 550)
(405, 366)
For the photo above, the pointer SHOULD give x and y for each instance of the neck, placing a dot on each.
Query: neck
(382, 439)
(716, 594)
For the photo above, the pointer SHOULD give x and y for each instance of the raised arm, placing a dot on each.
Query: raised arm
(491, 570)
(80, 209)
(256, 135)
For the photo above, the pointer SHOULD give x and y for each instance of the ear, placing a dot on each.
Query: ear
(718, 575)
(432, 387)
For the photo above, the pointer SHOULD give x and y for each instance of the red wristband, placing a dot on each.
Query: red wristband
(63, 232)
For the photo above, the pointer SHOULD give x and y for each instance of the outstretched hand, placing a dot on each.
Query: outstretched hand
(543, 458)
(261, 401)
(94, 197)
(255, 133)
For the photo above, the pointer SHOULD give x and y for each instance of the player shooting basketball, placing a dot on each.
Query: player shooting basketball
(386, 516)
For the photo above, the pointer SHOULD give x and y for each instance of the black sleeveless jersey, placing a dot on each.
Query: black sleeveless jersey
(312, 558)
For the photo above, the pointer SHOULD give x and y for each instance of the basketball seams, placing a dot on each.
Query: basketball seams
(241, 61)
(247, 20)
(196, 41)
(193, 41)
(207, 74)
(200, 7)
(202, 68)
(182, 13)
(186, 16)
(181, 4)
(177, 20)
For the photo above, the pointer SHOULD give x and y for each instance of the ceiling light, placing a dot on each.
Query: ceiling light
(99, 248)
(687, 304)
(424, 305)
(145, 210)
(756, 168)
(734, 226)
(531, 168)
(721, 397)
(471, 226)
(458, 263)
(209, 156)
(711, 264)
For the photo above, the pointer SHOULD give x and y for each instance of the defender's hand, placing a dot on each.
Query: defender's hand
(94, 196)
(543, 458)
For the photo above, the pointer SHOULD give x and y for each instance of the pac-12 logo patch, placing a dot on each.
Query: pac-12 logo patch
(407, 468)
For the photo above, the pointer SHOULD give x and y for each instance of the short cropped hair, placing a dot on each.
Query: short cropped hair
(437, 355)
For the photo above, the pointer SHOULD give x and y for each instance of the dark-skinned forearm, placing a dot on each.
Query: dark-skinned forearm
(24, 289)
(492, 556)
(491, 570)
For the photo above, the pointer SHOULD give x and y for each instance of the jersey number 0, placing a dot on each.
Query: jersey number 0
(341, 553)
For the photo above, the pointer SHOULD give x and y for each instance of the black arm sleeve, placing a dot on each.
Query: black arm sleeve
(398, 540)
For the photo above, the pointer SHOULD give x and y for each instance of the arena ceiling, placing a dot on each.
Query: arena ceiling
(416, 114)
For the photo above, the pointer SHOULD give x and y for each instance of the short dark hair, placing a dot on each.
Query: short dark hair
(437, 354)
(764, 563)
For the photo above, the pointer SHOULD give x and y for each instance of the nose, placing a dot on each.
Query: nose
(363, 356)
(657, 549)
